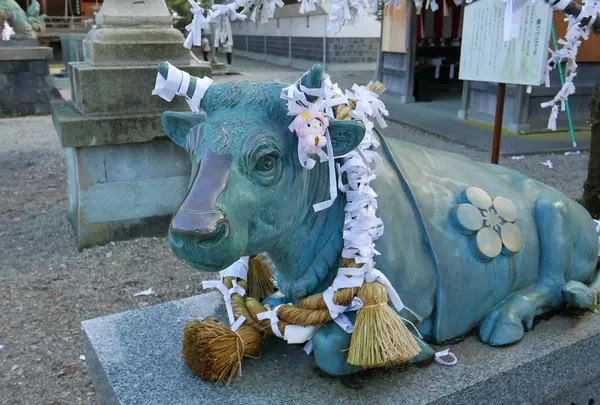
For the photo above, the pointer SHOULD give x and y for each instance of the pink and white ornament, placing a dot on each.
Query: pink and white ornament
(311, 129)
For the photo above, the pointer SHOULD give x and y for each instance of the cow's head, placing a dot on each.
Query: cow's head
(248, 191)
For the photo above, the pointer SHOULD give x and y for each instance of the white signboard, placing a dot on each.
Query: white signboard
(485, 57)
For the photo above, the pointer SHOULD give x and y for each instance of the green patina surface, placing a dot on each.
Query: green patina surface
(24, 24)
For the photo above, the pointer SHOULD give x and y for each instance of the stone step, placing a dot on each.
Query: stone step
(135, 358)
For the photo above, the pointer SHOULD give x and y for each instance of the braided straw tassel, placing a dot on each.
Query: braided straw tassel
(380, 337)
(260, 278)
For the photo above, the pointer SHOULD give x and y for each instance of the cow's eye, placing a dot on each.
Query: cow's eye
(266, 163)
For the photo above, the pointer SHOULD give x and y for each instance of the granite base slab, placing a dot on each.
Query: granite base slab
(134, 358)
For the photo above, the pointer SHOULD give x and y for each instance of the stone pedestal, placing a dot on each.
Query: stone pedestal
(72, 48)
(26, 87)
(125, 178)
(135, 358)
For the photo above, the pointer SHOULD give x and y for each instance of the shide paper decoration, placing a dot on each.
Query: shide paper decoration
(179, 83)
(195, 27)
(351, 11)
(7, 32)
(578, 29)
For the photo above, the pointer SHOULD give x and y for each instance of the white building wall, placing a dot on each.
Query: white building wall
(289, 22)
(301, 40)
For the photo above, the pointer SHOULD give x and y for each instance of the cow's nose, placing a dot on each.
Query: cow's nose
(201, 224)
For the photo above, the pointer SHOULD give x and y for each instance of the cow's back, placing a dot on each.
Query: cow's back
(466, 288)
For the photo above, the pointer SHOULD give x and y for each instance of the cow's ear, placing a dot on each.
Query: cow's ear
(177, 125)
(345, 136)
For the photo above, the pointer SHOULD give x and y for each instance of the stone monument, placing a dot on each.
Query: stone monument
(124, 178)
(26, 87)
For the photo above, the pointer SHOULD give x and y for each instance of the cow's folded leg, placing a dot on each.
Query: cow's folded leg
(507, 323)
(331, 344)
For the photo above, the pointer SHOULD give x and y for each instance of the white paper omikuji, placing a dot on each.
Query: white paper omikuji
(7, 32)
(548, 164)
(82, 357)
(1, 347)
(147, 292)
(573, 153)
(521, 157)
(295, 334)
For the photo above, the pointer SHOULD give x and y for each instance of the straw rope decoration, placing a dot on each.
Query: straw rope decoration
(214, 351)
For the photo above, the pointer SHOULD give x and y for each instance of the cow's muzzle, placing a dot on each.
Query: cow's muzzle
(198, 216)
(203, 225)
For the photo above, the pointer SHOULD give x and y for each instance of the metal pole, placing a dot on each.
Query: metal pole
(378, 74)
(325, 43)
(498, 122)
(562, 82)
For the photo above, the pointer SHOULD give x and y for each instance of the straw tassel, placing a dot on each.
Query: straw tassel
(260, 278)
(214, 352)
(380, 338)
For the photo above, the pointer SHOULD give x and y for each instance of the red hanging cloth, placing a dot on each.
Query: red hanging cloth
(456, 13)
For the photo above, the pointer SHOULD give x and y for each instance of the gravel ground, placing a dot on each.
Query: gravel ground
(47, 288)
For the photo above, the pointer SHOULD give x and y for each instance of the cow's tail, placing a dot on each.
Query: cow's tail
(580, 295)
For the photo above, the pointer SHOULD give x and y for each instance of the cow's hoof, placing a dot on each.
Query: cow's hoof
(426, 352)
(500, 330)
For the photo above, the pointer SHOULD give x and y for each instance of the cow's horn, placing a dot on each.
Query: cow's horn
(314, 79)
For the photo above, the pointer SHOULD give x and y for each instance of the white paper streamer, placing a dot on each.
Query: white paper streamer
(328, 96)
(332, 180)
(265, 7)
(446, 353)
(239, 322)
(512, 18)
(570, 47)
(177, 83)
(307, 6)
(227, 292)
(272, 316)
(337, 311)
(345, 12)
(194, 29)
(238, 269)
(7, 32)
(144, 293)
(295, 334)
(221, 15)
